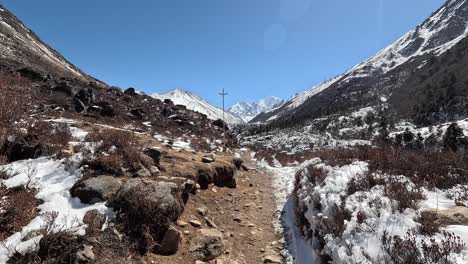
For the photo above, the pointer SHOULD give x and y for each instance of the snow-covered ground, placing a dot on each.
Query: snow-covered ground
(298, 250)
(360, 240)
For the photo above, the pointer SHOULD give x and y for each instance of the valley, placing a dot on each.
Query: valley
(370, 166)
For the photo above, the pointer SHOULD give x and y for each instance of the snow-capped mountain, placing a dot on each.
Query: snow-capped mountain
(437, 34)
(20, 47)
(247, 111)
(195, 103)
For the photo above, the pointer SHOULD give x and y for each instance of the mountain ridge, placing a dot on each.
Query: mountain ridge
(247, 111)
(433, 37)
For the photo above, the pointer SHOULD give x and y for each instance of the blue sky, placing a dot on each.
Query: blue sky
(252, 48)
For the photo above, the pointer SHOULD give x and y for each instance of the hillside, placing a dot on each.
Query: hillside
(374, 80)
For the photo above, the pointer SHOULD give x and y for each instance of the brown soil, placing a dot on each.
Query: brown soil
(246, 242)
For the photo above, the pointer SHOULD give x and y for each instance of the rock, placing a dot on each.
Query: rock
(237, 162)
(30, 74)
(138, 113)
(195, 223)
(202, 211)
(186, 232)
(22, 150)
(154, 170)
(272, 259)
(96, 189)
(188, 186)
(182, 224)
(65, 88)
(130, 91)
(86, 254)
(168, 102)
(146, 161)
(219, 123)
(154, 154)
(207, 159)
(452, 216)
(143, 172)
(104, 109)
(210, 223)
(208, 244)
(78, 105)
(170, 242)
(94, 221)
(86, 96)
(237, 219)
(147, 199)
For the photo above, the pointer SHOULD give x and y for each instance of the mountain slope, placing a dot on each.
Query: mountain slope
(374, 80)
(195, 103)
(247, 111)
(20, 47)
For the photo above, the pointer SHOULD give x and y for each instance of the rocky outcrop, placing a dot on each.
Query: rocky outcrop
(453, 216)
(96, 189)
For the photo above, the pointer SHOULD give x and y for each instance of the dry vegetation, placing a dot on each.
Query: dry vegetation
(117, 151)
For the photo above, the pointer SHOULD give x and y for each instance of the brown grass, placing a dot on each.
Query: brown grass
(19, 206)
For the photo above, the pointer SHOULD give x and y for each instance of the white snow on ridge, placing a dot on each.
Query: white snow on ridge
(248, 111)
(195, 103)
(415, 43)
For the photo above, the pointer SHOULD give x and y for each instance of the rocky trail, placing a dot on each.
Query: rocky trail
(242, 216)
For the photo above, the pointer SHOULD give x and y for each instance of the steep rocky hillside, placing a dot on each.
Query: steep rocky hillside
(20, 47)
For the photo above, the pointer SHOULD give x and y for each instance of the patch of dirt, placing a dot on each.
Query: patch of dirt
(245, 215)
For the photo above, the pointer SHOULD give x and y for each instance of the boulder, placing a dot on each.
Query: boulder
(65, 88)
(105, 109)
(153, 153)
(208, 244)
(30, 74)
(170, 242)
(85, 255)
(220, 123)
(452, 216)
(168, 102)
(146, 161)
(153, 202)
(96, 189)
(130, 91)
(138, 113)
(86, 96)
(143, 172)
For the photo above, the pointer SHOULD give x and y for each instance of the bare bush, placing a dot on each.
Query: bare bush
(405, 250)
(17, 208)
(403, 196)
(117, 151)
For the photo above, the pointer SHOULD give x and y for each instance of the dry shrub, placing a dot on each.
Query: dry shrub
(405, 250)
(363, 183)
(403, 196)
(17, 209)
(12, 107)
(55, 246)
(116, 150)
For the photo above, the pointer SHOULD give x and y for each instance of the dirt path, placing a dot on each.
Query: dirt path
(245, 216)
